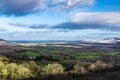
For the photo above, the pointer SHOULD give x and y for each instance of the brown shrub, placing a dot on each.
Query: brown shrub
(78, 69)
(99, 65)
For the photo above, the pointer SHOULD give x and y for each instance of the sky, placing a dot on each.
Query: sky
(59, 19)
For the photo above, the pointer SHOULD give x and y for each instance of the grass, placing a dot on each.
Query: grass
(82, 57)
(31, 54)
(114, 53)
(93, 55)
(85, 55)
(54, 51)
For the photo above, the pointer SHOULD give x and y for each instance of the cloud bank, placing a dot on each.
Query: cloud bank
(32, 26)
(86, 20)
(82, 20)
(23, 7)
(108, 18)
(92, 20)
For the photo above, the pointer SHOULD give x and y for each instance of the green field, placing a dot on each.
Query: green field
(93, 54)
(31, 54)
(67, 53)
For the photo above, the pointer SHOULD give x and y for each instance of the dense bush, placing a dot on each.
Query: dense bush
(99, 65)
(13, 70)
(32, 66)
(54, 69)
(27, 69)
(79, 69)
(31, 70)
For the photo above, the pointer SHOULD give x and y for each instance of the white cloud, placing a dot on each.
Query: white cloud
(68, 4)
(71, 3)
(108, 18)
(58, 1)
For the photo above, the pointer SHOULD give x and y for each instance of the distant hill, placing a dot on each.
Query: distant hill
(2, 39)
(4, 42)
(103, 41)
(112, 39)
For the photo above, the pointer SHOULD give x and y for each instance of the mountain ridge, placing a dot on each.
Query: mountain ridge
(104, 41)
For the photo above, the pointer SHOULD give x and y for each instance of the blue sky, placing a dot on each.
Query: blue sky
(59, 19)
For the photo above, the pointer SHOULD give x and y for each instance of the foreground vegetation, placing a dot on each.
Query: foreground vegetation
(31, 70)
(26, 70)
(13, 70)
(58, 63)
